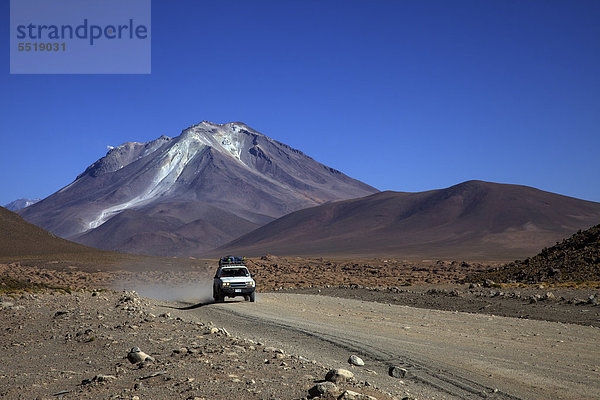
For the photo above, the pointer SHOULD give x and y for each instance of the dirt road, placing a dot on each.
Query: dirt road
(447, 354)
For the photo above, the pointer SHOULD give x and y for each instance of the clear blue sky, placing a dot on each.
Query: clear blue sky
(403, 95)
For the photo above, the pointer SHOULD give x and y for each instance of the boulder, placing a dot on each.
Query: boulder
(339, 375)
(356, 360)
(322, 389)
(397, 372)
(350, 395)
(135, 356)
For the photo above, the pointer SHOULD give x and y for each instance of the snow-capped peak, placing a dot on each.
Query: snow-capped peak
(226, 138)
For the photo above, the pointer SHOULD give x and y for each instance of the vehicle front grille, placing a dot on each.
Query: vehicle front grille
(238, 285)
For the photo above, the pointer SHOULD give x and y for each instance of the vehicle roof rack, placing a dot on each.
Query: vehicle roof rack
(231, 260)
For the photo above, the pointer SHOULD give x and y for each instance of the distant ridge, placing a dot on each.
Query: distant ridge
(20, 204)
(471, 220)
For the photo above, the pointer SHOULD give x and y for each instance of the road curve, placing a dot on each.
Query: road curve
(448, 354)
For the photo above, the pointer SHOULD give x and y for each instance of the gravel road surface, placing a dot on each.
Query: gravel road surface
(447, 354)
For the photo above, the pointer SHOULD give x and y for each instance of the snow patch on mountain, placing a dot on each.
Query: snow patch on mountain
(20, 204)
(228, 139)
(171, 165)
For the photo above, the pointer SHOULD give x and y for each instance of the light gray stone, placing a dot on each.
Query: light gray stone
(339, 375)
(356, 360)
(350, 395)
(135, 356)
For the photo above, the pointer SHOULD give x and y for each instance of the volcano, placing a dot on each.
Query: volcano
(186, 194)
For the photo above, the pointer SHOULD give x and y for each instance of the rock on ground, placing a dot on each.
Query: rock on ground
(356, 360)
(323, 389)
(397, 372)
(350, 395)
(339, 375)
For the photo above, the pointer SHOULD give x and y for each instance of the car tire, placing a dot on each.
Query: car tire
(219, 298)
(252, 297)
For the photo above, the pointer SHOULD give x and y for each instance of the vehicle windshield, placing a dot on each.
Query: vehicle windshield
(227, 272)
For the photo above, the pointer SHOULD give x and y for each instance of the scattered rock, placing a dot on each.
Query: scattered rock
(397, 372)
(356, 360)
(104, 378)
(153, 375)
(59, 313)
(322, 389)
(224, 332)
(99, 378)
(350, 395)
(182, 350)
(489, 283)
(339, 375)
(135, 356)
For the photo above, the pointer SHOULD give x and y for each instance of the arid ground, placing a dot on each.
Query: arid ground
(534, 340)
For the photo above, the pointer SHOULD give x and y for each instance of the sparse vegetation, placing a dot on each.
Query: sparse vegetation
(9, 285)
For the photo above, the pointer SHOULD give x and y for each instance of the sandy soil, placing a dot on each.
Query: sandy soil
(447, 354)
(557, 304)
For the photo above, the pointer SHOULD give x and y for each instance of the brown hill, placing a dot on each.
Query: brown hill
(20, 238)
(576, 258)
(27, 244)
(472, 220)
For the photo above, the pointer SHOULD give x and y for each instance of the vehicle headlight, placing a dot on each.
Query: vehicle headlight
(250, 284)
(225, 283)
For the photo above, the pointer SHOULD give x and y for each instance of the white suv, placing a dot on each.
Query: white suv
(233, 279)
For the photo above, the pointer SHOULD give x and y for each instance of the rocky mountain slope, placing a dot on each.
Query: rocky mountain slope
(472, 220)
(184, 195)
(576, 258)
